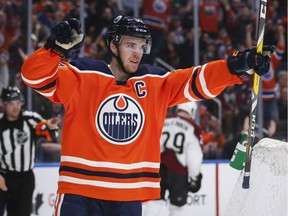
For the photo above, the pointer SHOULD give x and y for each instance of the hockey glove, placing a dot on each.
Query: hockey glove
(194, 184)
(66, 38)
(244, 62)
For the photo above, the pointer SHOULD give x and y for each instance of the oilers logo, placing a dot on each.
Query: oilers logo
(268, 76)
(159, 6)
(119, 119)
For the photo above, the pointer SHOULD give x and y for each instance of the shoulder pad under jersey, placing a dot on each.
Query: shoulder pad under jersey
(91, 64)
(150, 69)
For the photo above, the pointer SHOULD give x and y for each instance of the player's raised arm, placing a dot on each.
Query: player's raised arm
(209, 80)
(40, 70)
(65, 40)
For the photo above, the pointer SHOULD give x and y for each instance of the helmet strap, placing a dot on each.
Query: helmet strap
(118, 58)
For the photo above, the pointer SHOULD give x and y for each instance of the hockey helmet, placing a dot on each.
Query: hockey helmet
(11, 93)
(129, 26)
(190, 107)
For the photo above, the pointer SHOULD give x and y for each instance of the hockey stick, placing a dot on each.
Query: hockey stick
(254, 96)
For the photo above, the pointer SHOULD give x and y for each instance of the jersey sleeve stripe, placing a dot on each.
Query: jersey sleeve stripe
(203, 82)
(36, 82)
(49, 85)
(194, 87)
(49, 94)
(187, 88)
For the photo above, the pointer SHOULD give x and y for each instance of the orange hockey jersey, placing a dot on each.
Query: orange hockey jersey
(208, 16)
(269, 87)
(111, 132)
(157, 14)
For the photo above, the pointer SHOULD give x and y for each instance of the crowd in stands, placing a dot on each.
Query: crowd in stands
(224, 26)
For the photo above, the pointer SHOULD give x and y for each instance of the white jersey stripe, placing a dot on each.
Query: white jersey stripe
(48, 94)
(109, 164)
(203, 82)
(35, 82)
(187, 87)
(108, 184)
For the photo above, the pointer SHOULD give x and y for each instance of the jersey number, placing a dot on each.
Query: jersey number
(177, 141)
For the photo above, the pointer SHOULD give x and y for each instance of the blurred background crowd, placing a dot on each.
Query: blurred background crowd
(222, 27)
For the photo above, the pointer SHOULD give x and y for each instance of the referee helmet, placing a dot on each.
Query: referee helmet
(11, 93)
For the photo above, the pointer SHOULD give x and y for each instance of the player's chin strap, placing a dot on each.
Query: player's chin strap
(120, 62)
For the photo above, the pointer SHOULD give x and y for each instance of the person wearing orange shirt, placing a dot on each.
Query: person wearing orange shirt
(157, 15)
(213, 138)
(114, 113)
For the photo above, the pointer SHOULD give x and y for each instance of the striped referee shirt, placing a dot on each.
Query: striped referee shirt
(18, 141)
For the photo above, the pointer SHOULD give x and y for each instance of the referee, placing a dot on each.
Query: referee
(19, 130)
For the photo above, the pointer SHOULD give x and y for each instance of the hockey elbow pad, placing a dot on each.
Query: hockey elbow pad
(244, 62)
(194, 185)
(66, 38)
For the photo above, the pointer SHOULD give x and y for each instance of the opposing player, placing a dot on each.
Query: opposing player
(181, 159)
(110, 155)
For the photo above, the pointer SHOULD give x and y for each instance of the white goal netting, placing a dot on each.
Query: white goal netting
(267, 194)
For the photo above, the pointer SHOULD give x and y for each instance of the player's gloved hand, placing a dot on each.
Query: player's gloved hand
(194, 184)
(244, 62)
(66, 38)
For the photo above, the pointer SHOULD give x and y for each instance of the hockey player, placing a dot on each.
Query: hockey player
(181, 159)
(110, 156)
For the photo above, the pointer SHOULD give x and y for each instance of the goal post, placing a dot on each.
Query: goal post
(267, 194)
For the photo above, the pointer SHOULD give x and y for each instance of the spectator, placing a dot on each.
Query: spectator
(282, 104)
(97, 27)
(176, 26)
(181, 159)
(282, 79)
(19, 130)
(4, 70)
(186, 50)
(184, 9)
(168, 52)
(223, 44)
(157, 15)
(229, 111)
(8, 27)
(17, 81)
(237, 20)
(213, 138)
(210, 53)
(209, 17)
(34, 46)
(39, 30)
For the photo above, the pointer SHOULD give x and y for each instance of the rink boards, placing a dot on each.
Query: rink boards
(217, 185)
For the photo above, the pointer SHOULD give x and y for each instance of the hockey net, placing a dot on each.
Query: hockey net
(267, 194)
